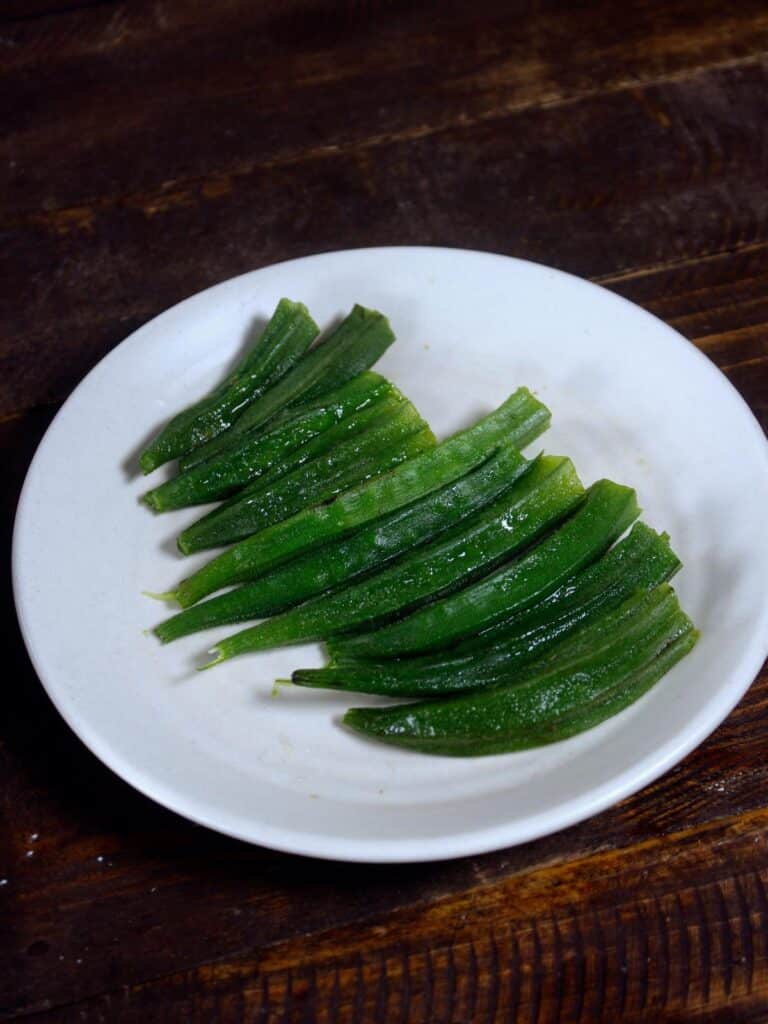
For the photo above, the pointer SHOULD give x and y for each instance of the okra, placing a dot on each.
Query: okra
(377, 446)
(289, 333)
(318, 481)
(354, 346)
(369, 548)
(262, 452)
(608, 510)
(548, 706)
(518, 421)
(641, 561)
(536, 502)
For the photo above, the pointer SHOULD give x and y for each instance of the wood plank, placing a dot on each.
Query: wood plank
(551, 185)
(667, 928)
(721, 304)
(14, 10)
(166, 92)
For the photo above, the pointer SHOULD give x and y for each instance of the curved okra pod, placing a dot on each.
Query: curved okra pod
(553, 704)
(608, 510)
(518, 421)
(272, 452)
(547, 493)
(640, 561)
(352, 347)
(375, 447)
(369, 548)
(287, 336)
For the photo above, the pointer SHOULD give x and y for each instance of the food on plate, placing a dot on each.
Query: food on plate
(607, 510)
(520, 419)
(536, 502)
(492, 588)
(641, 560)
(373, 545)
(363, 446)
(270, 453)
(625, 652)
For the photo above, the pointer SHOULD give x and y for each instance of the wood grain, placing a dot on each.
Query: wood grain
(157, 147)
(666, 927)
(540, 184)
(159, 92)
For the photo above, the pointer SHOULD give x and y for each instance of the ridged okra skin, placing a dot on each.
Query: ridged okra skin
(550, 706)
(355, 345)
(517, 421)
(374, 545)
(287, 336)
(641, 561)
(271, 453)
(535, 503)
(371, 443)
(608, 510)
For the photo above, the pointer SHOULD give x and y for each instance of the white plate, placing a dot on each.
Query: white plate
(631, 400)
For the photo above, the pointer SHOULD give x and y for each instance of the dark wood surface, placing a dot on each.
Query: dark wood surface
(151, 149)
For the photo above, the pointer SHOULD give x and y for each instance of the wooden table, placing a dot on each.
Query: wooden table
(152, 149)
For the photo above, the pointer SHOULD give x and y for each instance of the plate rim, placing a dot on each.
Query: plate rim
(444, 847)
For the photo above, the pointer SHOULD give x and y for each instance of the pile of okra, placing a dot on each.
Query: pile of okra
(495, 592)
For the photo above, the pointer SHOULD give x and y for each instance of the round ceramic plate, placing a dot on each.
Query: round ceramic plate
(630, 399)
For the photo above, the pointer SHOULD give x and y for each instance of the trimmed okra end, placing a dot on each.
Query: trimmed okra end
(184, 546)
(166, 595)
(220, 656)
(358, 719)
(148, 462)
(151, 499)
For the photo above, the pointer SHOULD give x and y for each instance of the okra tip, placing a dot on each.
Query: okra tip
(149, 461)
(360, 720)
(304, 677)
(217, 660)
(166, 595)
(150, 499)
(183, 545)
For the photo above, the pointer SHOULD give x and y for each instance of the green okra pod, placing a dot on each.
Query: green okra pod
(352, 347)
(275, 451)
(517, 421)
(376, 446)
(641, 561)
(550, 705)
(287, 336)
(372, 546)
(532, 505)
(608, 510)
